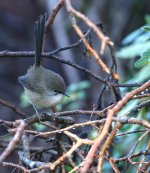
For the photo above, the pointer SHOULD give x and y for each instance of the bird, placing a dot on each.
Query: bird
(43, 87)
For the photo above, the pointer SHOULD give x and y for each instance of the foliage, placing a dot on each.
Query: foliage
(76, 146)
(144, 60)
(137, 44)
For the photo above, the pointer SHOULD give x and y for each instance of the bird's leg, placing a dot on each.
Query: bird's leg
(36, 110)
(54, 109)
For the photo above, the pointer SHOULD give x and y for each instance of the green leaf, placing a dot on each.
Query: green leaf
(146, 28)
(78, 86)
(147, 18)
(128, 107)
(132, 50)
(143, 38)
(68, 168)
(24, 100)
(132, 36)
(39, 127)
(144, 60)
(93, 134)
(72, 106)
(142, 75)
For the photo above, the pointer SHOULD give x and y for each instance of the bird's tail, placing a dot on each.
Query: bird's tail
(39, 34)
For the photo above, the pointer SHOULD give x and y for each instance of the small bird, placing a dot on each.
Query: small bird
(44, 88)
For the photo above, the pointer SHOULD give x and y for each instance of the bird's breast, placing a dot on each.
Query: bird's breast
(43, 100)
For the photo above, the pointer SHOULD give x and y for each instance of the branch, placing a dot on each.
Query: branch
(50, 20)
(132, 156)
(123, 120)
(76, 145)
(130, 132)
(139, 106)
(143, 158)
(105, 40)
(12, 107)
(16, 166)
(143, 169)
(53, 15)
(101, 36)
(49, 55)
(14, 141)
(135, 145)
(110, 114)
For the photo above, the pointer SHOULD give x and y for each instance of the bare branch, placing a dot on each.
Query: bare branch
(105, 40)
(12, 107)
(16, 139)
(111, 112)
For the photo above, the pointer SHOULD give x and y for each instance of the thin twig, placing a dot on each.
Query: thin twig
(12, 107)
(123, 120)
(146, 166)
(76, 44)
(49, 55)
(53, 15)
(51, 18)
(16, 166)
(138, 107)
(14, 141)
(141, 96)
(105, 40)
(132, 156)
(130, 132)
(114, 166)
(144, 157)
(111, 112)
(76, 145)
(135, 145)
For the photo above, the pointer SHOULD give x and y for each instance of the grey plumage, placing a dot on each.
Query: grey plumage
(43, 87)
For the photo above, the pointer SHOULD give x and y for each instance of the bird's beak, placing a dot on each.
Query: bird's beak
(23, 80)
(66, 94)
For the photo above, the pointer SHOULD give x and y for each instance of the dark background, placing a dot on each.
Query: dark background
(17, 19)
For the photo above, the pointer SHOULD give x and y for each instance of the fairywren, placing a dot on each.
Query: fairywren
(44, 88)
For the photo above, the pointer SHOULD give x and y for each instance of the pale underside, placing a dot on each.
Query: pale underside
(46, 101)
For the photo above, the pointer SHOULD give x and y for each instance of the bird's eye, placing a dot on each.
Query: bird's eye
(56, 92)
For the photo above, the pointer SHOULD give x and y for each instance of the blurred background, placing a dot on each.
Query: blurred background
(17, 19)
